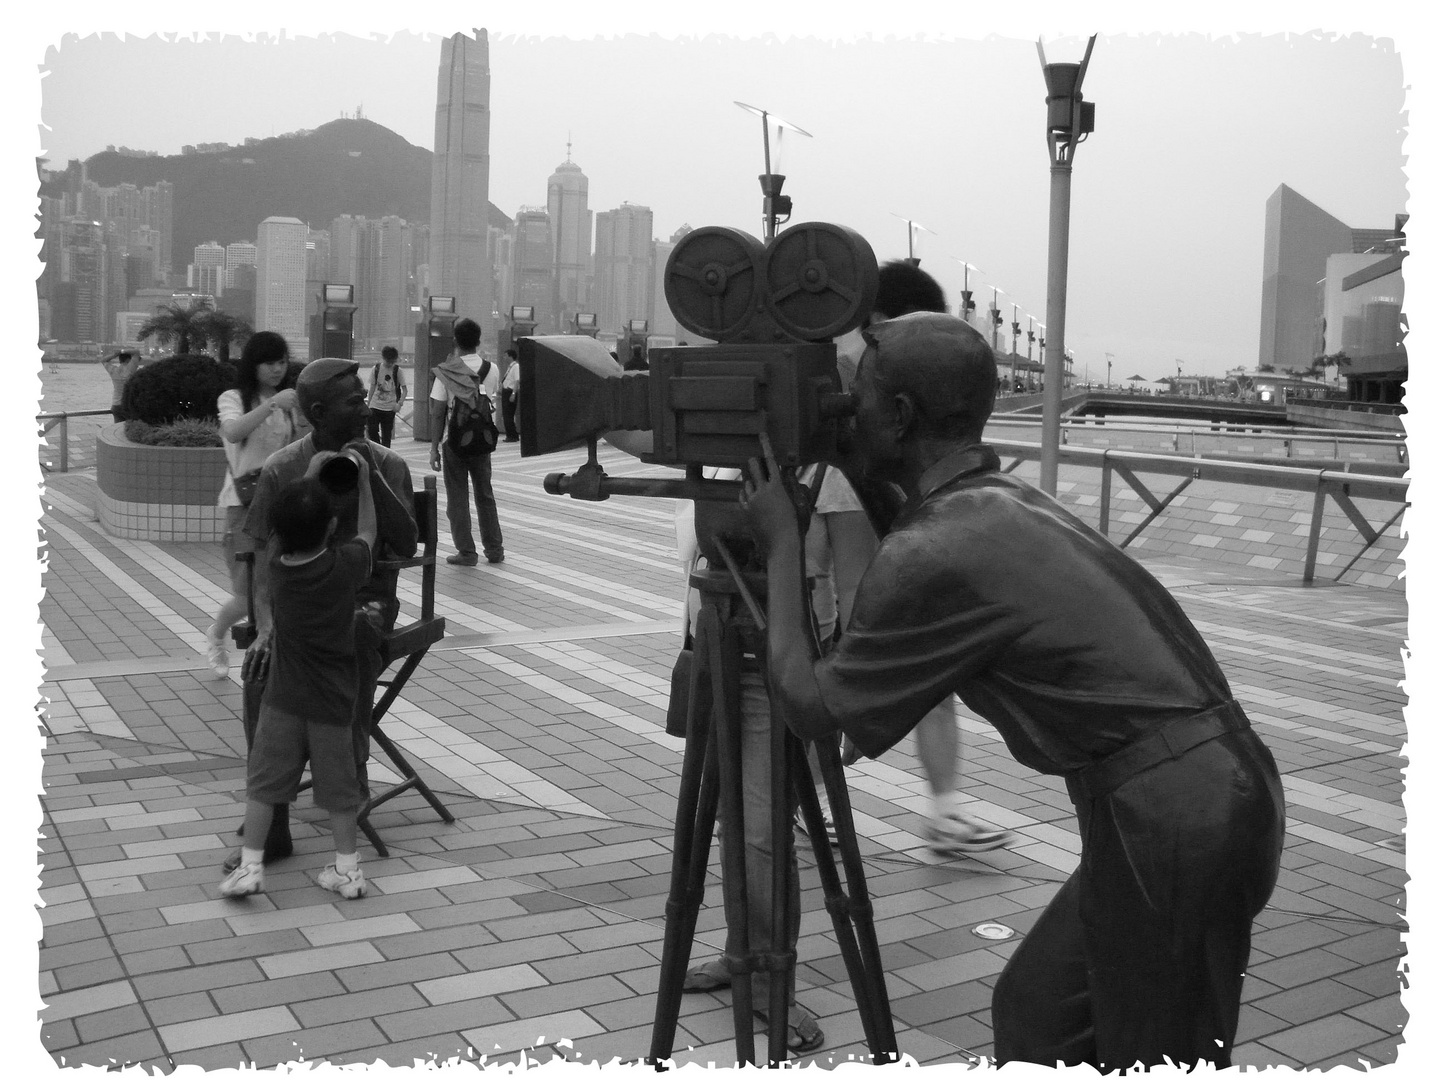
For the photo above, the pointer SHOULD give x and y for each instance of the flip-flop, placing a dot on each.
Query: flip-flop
(701, 980)
(804, 1036)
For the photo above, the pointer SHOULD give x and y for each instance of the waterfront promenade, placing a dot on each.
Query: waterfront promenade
(533, 924)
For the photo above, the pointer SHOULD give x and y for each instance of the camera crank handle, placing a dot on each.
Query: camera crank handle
(745, 593)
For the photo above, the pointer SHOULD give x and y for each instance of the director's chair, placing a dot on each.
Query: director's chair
(406, 643)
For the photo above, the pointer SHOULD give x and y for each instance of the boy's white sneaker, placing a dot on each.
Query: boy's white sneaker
(350, 885)
(245, 880)
(217, 656)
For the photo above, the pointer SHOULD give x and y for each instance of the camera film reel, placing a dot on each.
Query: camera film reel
(713, 281)
(821, 280)
(813, 282)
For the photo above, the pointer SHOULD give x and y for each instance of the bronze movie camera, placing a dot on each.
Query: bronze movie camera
(771, 310)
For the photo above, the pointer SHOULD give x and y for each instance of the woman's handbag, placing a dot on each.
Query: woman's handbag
(245, 485)
(678, 714)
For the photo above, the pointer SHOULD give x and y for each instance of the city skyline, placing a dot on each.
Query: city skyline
(1166, 248)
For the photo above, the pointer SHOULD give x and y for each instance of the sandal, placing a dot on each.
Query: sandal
(706, 977)
(804, 1036)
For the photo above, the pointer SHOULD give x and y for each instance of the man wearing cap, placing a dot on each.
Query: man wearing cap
(985, 587)
(332, 398)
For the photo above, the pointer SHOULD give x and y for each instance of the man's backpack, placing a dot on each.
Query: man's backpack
(470, 429)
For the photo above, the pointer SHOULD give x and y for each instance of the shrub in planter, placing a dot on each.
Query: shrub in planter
(187, 432)
(177, 388)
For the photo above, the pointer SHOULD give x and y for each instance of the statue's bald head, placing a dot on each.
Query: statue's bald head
(944, 365)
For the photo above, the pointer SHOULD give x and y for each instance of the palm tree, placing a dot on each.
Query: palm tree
(177, 323)
(220, 330)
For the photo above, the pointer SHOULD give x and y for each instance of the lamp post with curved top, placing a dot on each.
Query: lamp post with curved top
(1069, 119)
(967, 302)
(776, 206)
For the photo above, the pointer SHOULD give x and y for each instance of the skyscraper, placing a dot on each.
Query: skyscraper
(567, 201)
(1299, 238)
(662, 319)
(80, 297)
(317, 269)
(238, 254)
(207, 269)
(532, 272)
(374, 256)
(280, 282)
(623, 278)
(460, 178)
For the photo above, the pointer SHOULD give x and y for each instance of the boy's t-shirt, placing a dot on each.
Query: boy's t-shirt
(313, 674)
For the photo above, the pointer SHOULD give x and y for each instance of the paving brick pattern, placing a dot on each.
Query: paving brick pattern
(534, 923)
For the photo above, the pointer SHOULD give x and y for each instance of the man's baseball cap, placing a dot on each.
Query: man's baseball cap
(315, 374)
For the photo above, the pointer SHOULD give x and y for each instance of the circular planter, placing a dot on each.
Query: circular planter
(158, 492)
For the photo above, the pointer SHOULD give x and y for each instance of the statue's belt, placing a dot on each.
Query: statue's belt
(1165, 743)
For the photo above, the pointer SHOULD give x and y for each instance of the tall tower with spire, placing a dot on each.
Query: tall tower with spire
(460, 179)
(567, 198)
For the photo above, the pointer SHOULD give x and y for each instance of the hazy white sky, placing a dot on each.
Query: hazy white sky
(1193, 133)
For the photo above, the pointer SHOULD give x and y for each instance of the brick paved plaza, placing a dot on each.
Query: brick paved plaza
(536, 919)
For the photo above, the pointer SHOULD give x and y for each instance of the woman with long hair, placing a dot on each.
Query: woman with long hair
(256, 419)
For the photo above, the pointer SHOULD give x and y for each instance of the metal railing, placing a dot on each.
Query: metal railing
(57, 426)
(1378, 407)
(1288, 439)
(51, 421)
(1325, 484)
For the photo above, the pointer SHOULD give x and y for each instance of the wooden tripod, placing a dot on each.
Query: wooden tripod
(729, 626)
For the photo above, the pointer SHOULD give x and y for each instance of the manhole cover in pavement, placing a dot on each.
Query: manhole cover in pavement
(994, 931)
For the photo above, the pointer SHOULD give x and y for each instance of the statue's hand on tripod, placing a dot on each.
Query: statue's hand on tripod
(776, 506)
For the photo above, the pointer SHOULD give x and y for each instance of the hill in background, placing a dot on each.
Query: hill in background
(344, 167)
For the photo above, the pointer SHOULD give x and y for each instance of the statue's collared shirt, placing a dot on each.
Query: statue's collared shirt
(988, 588)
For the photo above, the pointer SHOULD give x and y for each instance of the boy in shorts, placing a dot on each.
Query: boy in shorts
(309, 699)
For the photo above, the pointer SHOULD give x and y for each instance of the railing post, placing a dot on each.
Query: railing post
(64, 442)
(1105, 494)
(1317, 516)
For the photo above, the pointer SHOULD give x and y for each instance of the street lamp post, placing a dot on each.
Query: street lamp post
(996, 321)
(910, 227)
(967, 303)
(1069, 119)
(1109, 361)
(776, 206)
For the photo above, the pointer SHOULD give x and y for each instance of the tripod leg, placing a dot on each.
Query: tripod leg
(859, 945)
(694, 826)
(725, 650)
(781, 959)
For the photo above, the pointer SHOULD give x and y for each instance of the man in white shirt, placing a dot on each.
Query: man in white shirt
(461, 473)
(510, 395)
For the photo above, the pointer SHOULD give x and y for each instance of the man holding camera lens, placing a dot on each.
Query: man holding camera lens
(1089, 669)
(332, 398)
